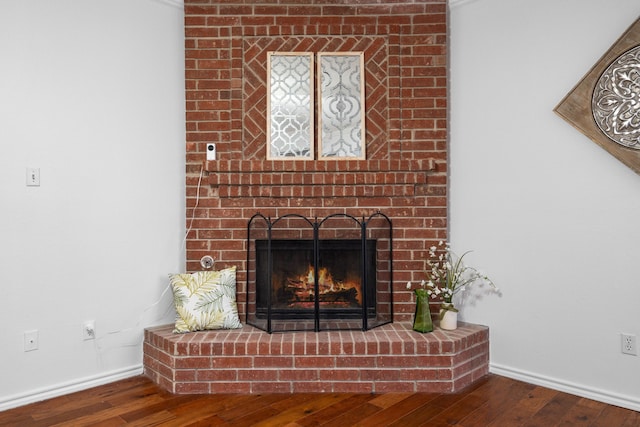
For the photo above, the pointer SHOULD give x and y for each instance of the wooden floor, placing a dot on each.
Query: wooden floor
(493, 401)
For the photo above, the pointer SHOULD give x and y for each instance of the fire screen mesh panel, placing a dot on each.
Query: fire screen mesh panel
(334, 274)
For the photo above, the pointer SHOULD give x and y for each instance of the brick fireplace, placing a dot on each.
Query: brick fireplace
(404, 175)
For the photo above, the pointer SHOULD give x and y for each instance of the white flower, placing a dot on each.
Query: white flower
(447, 274)
(409, 285)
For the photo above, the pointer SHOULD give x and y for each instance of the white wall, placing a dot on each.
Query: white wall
(549, 214)
(91, 92)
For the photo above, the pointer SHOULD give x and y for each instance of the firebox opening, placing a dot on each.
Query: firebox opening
(342, 282)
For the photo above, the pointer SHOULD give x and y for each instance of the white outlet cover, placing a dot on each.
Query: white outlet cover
(30, 340)
(89, 330)
(629, 344)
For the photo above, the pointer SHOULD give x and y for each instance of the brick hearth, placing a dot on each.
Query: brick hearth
(391, 358)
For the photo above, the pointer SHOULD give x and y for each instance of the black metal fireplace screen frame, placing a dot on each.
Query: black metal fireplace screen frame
(374, 234)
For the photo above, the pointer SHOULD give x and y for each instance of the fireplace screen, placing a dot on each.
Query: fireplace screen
(336, 274)
(294, 274)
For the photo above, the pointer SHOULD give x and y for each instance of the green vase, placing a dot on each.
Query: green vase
(422, 320)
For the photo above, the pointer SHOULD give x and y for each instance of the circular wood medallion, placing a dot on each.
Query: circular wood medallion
(616, 100)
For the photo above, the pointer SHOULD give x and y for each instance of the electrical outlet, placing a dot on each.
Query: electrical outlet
(89, 330)
(30, 340)
(629, 344)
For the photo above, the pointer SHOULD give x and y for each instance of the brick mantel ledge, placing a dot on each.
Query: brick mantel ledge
(262, 166)
(391, 358)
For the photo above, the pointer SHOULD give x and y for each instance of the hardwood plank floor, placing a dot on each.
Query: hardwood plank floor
(493, 401)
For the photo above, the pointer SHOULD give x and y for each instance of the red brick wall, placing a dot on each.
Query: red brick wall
(405, 174)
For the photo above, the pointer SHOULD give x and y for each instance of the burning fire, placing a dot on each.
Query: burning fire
(330, 291)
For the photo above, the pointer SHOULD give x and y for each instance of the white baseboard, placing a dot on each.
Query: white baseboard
(623, 401)
(68, 387)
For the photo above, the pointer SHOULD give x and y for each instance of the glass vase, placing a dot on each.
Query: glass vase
(422, 319)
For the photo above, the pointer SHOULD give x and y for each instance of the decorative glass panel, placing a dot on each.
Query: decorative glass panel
(341, 93)
(290, 106)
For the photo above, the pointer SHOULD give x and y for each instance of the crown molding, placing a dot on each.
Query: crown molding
(459, 3)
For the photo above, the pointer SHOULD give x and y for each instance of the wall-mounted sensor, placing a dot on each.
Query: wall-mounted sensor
(211, 151)
(206, 262)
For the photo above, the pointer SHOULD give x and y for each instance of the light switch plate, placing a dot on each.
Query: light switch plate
(33, 177)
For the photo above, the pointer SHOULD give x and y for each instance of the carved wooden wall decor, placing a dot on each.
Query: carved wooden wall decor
(605, 104)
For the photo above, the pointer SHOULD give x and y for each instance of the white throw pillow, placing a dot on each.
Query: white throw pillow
(205, 300)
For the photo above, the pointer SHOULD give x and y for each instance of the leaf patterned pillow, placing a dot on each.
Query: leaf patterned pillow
(205, 300)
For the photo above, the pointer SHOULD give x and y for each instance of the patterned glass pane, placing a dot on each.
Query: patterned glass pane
(290, 104)
(342, 105)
